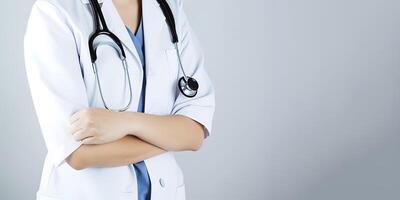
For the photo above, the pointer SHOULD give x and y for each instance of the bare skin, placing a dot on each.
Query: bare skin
(120, 138)
(130, 12)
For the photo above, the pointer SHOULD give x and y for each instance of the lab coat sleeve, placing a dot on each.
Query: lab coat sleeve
(201, 107)
(54, 77)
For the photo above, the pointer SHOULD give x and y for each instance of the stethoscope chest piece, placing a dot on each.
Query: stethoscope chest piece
(188, 87)
(103, 36)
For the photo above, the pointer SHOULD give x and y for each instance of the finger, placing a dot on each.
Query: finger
(75, 130)
(76, 116)
(75, 127)
(82, 134)
(89, 140)
(75, 122)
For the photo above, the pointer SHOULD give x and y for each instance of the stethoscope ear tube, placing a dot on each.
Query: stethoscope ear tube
(188, 86)
(113, 41)
(101, 29)
(169, 18)
(95, 40)
(125, 65)
(98, 15)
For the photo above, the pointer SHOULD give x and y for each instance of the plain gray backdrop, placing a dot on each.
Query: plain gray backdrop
(308, 101)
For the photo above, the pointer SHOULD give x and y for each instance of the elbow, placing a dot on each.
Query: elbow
(189, 144)
(191, 140)
(197, 142)
(197, 138)
(196, 146)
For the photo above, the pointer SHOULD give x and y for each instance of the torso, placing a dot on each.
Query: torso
(162, 69)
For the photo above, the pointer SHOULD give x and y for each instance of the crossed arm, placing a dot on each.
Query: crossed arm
(109, 138)
(119, 138)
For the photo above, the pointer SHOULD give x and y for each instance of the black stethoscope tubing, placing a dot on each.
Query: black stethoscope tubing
(188, 86)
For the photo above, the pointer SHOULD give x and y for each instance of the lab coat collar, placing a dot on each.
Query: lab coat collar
(153, 20)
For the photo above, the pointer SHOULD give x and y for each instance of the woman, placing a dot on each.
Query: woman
(97, 153)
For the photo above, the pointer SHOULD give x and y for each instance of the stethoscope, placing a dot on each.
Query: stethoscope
(187, 85)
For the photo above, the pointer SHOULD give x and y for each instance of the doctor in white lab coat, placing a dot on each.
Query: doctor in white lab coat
(91, 149)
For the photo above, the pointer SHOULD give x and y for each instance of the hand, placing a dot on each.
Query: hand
(97, 126)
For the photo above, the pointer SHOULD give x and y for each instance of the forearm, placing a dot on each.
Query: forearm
(129, 149)
(171, 133)
(119, 138)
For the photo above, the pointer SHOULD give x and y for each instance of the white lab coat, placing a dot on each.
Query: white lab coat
(62, 82)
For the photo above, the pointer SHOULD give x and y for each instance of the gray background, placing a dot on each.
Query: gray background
(307, 101)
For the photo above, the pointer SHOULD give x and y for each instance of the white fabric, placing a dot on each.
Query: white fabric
(62, 82)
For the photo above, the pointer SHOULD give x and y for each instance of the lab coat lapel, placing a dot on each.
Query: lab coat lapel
(117, 26)
(154, 22)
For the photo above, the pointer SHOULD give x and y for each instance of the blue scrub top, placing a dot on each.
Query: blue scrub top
(142, 176)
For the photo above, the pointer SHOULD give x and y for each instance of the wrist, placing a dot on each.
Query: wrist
(132, 121)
